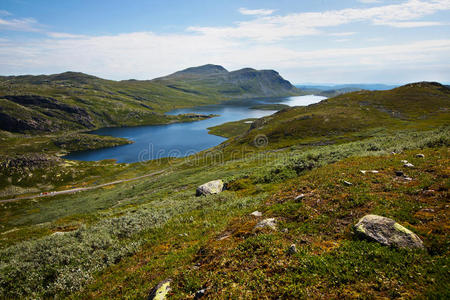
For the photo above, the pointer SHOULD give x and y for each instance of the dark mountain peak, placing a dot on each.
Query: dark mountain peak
(424, 86)
(245, 70)
(208, 69)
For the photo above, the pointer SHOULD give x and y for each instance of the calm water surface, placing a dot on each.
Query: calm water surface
(182, 139)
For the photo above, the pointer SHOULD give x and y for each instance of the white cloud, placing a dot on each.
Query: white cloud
(413, 24)
(62, 35)
(146, 55)
(4, 13)
(275, 28)
(261, 12)
(342, 33)
(24, 24)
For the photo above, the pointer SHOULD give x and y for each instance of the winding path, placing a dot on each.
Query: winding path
(71, 191)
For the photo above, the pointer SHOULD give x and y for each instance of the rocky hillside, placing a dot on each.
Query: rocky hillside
(243, 83)
(77, 101)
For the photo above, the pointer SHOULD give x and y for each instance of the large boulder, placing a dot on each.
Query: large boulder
(160, 291)
(387, 232)
(212, 187)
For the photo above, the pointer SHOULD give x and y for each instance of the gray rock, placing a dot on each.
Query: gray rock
(270, 223)
(160, 291)
(404, 161)
(212, 187)
(420, 155)
(256, 213)
(347, 183)
(292, 249)
(199, 294)
(369, 171)
(408, 165)
(301, 196)
(399, 173)
(387, 232)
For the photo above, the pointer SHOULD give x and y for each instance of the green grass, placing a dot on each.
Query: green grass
(231, 129)
(122, 240)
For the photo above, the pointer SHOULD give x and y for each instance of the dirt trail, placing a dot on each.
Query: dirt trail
(71, 191)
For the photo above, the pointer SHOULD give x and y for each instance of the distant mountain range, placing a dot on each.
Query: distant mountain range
(339, 89)
(356, 86)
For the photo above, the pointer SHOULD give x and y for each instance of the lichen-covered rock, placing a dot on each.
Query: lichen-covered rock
(387, 232)
(212, 187)
(160, 291)
(270, 223)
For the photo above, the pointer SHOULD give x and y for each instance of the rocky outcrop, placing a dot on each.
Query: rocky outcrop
(53, 108)
(212, 187)
(31, 161)
(387, 232)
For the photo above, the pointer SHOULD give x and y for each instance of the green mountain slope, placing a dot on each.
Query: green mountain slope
(346, 116)
(78, 101)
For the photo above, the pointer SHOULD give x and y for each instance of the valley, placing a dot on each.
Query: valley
(121, 239)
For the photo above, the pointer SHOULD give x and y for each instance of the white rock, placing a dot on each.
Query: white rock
(408, 165)
(301, 196)
(270, 222)
(256, 213)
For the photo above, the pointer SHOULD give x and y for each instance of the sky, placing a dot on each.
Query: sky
(319, 41)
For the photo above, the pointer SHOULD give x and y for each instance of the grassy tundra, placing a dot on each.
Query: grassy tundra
(120, 241)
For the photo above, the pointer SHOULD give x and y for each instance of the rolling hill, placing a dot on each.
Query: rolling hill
(77, 101)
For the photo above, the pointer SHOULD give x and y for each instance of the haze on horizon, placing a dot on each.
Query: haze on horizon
(363, 41)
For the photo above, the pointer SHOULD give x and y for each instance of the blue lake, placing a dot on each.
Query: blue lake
(182, 139)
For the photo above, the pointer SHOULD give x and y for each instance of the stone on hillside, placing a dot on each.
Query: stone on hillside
(270, 223)
(301, 196)
(292, 249)
(369, 171)
(212, 187)
(256, 214)
(404, 161)
(420, 155)
(429, 192)
(387, 232)
(347, 183)
(399, 173)
(160, 291)
(408, 165)
(199, 294)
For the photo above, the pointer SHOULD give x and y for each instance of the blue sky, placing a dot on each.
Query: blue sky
(388, 41)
